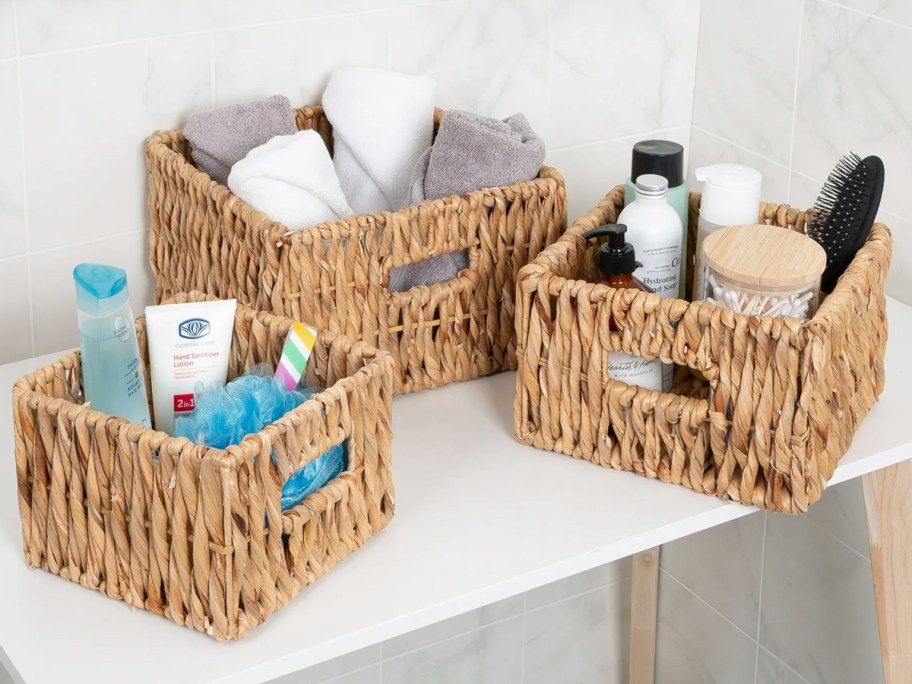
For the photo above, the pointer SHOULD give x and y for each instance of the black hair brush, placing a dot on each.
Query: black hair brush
(844, 212)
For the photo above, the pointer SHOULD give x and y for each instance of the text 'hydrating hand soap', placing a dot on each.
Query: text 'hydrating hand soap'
(663, 158)
(654, 229)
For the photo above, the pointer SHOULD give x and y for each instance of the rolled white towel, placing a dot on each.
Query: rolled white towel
(292, 180)
(382, 121)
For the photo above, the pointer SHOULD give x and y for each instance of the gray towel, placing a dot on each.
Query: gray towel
(470, 152)
(222, 137)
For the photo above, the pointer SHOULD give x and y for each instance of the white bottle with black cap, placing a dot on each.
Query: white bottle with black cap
(663, 158)
(655, 231)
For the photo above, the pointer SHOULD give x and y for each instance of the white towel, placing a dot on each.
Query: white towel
(382, 121)
(292, 180)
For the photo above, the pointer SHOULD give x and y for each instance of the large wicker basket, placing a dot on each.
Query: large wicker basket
(334, 276)
(198, 534)
(788, 395)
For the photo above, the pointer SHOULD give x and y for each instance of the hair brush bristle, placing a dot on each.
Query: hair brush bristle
(844, 212)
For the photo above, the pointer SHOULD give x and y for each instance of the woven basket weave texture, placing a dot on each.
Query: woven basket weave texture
(334, 276)
(197, 534)
(787, 395)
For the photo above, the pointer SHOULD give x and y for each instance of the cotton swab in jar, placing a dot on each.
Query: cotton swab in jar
(785, 306)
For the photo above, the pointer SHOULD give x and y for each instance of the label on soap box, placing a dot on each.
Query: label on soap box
(635, 371)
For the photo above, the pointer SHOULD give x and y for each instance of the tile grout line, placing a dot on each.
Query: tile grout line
(25, 210)
(222, 29)
(875, 17)
(838, 539)
(522, 659)
(760, 594)
(705, 603)
(795, 90)
(338, 677)
(784, 664)
(623, 578)
(89, 241)
(603, 141)
(497, 622)
(437, 642)
(549, 96)
(212, 68)
(693, 101)
(738, 146)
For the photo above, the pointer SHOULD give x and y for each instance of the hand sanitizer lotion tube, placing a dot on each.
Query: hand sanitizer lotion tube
(112, 375)
(188, 350)
(654, 229)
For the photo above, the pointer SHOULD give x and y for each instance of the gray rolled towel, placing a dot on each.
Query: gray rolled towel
(220, 138)
(470, 152)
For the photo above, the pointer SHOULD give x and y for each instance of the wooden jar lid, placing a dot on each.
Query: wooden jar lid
(764, 256)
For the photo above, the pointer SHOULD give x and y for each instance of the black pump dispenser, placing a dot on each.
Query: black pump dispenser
(616, 257)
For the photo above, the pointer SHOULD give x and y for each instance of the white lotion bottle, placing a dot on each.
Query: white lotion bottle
(731, 197)
(655, 231)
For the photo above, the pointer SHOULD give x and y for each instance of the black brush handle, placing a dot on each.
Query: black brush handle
(876, 166)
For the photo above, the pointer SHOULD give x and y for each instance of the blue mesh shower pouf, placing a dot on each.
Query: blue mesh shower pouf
(225, 415)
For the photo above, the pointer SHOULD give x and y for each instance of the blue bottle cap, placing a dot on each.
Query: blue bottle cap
(100, 289)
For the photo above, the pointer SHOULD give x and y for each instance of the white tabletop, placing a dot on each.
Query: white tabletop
(478, 518)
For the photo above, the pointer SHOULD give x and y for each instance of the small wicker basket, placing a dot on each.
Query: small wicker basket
(193, 533)
(788, 394)
(334, 276)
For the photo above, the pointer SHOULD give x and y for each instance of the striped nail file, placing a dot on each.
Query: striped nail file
(295, 354)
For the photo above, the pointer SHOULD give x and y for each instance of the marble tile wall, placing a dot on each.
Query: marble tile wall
(83, 84)
(575, 630)
(788, 86)
(797, 590)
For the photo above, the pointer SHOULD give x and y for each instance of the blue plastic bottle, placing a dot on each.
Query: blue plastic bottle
(112, 376)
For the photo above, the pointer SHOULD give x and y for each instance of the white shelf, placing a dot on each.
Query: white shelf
(478, 518)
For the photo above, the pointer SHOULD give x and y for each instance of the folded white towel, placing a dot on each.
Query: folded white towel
(292, 180)
(382, 122)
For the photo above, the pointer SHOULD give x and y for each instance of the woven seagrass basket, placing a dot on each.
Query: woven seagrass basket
(334, 276)
(787, 394)
(193, 533)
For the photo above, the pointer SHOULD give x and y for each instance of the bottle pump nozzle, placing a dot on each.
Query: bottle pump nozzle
(617, 256)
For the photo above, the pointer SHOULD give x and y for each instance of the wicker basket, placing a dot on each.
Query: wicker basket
(334, 276)
(198, 534)
(788, 395)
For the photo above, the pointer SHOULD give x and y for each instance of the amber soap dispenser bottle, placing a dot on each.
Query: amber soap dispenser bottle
(617, 262)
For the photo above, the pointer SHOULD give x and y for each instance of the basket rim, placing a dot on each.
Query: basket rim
(537, 269)
(356, 224)
(375, 362)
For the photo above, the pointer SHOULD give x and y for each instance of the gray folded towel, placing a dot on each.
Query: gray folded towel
(470, 152)
(473, 152)
(220, 138)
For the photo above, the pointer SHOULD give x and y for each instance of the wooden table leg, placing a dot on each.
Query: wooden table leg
(888, 508)
(643, 602)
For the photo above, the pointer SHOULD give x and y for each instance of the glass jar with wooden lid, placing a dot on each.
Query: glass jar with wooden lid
(763, 270)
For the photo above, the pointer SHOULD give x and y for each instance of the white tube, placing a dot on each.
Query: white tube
(189, 346)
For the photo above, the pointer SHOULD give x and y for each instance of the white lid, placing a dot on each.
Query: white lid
(731, 194)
